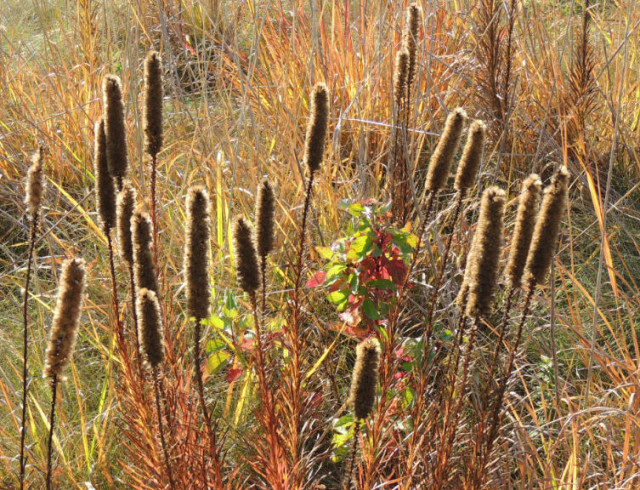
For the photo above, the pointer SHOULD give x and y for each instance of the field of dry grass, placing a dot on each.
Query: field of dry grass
(557, 83)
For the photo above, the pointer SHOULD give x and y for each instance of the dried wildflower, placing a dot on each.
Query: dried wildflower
(525, 223)
(471, 156)
(150, 327)
(265, 210)
(365, 377)
(400, 78)
(105, 188)
(145, 274)
(196, 254)
(317, 128)
(545, 233)
(125, 205)
(410, 38)
(152, 114)
(35, 184)
(66, 318)
(246, 258)
(438, 171)
(114, 128)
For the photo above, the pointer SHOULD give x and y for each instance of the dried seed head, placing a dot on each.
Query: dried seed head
(438, 171)
(485, 254)
(150, 327)
(410, 39)
(400, 78)
(471, 156)
(105, 188)
(145, 273)
(265, 209)
(126, 203)
(35, 183)
(545, 233)
(196, 254)
(317, 128)
(364, 382)
(246, 258)
(525, 222)
(152, 114)
(114, 128)
(66, 318)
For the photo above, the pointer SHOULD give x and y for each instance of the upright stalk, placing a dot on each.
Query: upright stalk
(165, 451)
(52, 415)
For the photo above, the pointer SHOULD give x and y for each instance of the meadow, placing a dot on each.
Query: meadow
(325, 244)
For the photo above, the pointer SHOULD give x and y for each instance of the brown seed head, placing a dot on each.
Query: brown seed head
(410, 39)
(114, 128)
(265, 210)
(246, 258)
(196, 253)
(150, 327)
(317, 128)
(152, 114)
(545, 233)
(471, 156)
(525, 222)
(105, 188)
(35, 183)
(145, 273)
(485, 254)
(64, 328)
(364, 382)
(438, 171)
(400, 78)
(126, 203)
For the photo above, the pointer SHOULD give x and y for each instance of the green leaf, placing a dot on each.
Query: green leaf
(359, 248)
(339, 296)
(370, 309)
(325, 252)
(214, 346)
(334, 273)
(381, 284)
(356, 209)
(216, 360)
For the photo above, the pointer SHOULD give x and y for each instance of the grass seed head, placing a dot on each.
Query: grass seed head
(525, 223)
(317, 128)
(364, 382)
(410, 39)
(152, 114)
(440, 163)
(400, 78)
(35, 183)
(484, 258)
(125, 205)
(246, 258)
(66, 318)
(114, 128)
(545, 233)
(141, 231)
(150, 327)
(265, 210)
(105, 188)
(471, 156)
(196, 257)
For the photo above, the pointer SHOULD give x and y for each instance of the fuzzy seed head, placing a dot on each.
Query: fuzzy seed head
(484, 258)
(400, 78)
(364, 382)
(410, 39)
(150, 327)
(545, 233)
(152, 114)
(317, 128)
(105, 189)
(114, 128)
(144, 269)
(265, 210)
(246, 257)
(440, 163)
(196, 254)
(66, 318)
(35, 183)
(471, 156)
(126, 203)
(525, 222)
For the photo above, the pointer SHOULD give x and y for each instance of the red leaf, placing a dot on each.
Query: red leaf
(317, 279)
(233, 374)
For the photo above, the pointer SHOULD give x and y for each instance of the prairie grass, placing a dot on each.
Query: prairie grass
(556, 84)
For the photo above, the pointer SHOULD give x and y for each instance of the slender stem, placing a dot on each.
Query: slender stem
(354, 453)
(25, 346)
(52, 416)
(156, 376)
(114, 288)
(132, 287)
(154, 165)
(263, 270)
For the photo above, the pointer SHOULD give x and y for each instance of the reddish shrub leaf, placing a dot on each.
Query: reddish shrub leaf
(317, 279)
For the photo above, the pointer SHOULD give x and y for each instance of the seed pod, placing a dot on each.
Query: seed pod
(365, 377)
(471, 156)
(410, 38)
(35, 184)
(196, 254)
(126, 203)
(152, 114)
(246, 258)
(317, 128)
(525, 222)
(66, 318)
(400, 78)
(114, 128)
(545, 233)
(438, 171)
(150, 327)
(265, 210)
(145, 274)
(105, 189)
(485, 254)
